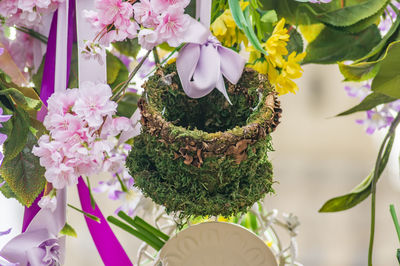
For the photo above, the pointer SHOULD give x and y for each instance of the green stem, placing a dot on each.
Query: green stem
(156, 56)
(123, 186)
(389, 134)
(135, 233)
(33, 33)
(88, 215)
(126, 83)
(148, 233)
(166, 59)
(142, 223)
(92, 201)
(395, 220)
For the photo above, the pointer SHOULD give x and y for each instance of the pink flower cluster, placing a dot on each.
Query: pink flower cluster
(26, 12)
(162, 21)
(113, 20)
(81, 134)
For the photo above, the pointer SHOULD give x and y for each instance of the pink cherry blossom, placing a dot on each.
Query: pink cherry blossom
(94, 103)
(173, 25)
(148, 39)
(26, 12)
(61, 103)
(82, 134)
(61, 176)
(48, 202)
(160, 5)
(113, 19)
(145, 14)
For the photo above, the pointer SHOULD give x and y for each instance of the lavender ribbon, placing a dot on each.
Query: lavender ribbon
(39, 244)
(202, 64)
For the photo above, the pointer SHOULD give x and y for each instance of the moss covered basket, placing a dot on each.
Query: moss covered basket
(205, 156)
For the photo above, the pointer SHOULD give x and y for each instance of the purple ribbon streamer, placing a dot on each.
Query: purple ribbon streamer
(107, 244)
(47, 87)
(46, 90)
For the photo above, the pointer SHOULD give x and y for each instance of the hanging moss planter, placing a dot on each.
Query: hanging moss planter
(204, 156)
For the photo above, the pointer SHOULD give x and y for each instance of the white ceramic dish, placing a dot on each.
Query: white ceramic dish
(216, 244)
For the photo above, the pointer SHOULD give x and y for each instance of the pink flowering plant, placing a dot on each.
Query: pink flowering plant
(81, 128)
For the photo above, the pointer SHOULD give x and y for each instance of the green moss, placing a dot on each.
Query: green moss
(204, 156)
(219, 187)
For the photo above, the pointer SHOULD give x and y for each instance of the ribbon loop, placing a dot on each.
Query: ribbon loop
(201, 67)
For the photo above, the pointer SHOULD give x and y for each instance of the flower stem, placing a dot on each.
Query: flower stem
(88, 215)
(156, 56)
(389, 134)
(33, 34)
(134, 72)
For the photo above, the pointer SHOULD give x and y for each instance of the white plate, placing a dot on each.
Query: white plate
(216, 244)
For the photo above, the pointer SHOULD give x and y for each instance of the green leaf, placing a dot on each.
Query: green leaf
(23, 173)
(17, 130)
(116, 70)
(362, 69)
(294, 12)
(387, 81)
(243, 24)
(349, 14)
(68, 230)
(6, 190)
(369, 102)
(332, 45)
(395, 220)
(21, 100)
(295, 43)
(37, 77)
(398, 255)
(269, 17)
(362, 191)
(365, 23)
(128, 104)
(128, 47)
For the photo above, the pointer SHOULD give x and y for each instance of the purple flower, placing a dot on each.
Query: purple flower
(376, 120)
(359, 91)
(1, 50)
(7, 231)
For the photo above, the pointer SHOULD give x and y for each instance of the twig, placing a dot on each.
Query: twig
(131, 76)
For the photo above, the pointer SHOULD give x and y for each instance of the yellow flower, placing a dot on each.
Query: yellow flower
(292, 66)
(276, 44)
(226, 31)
